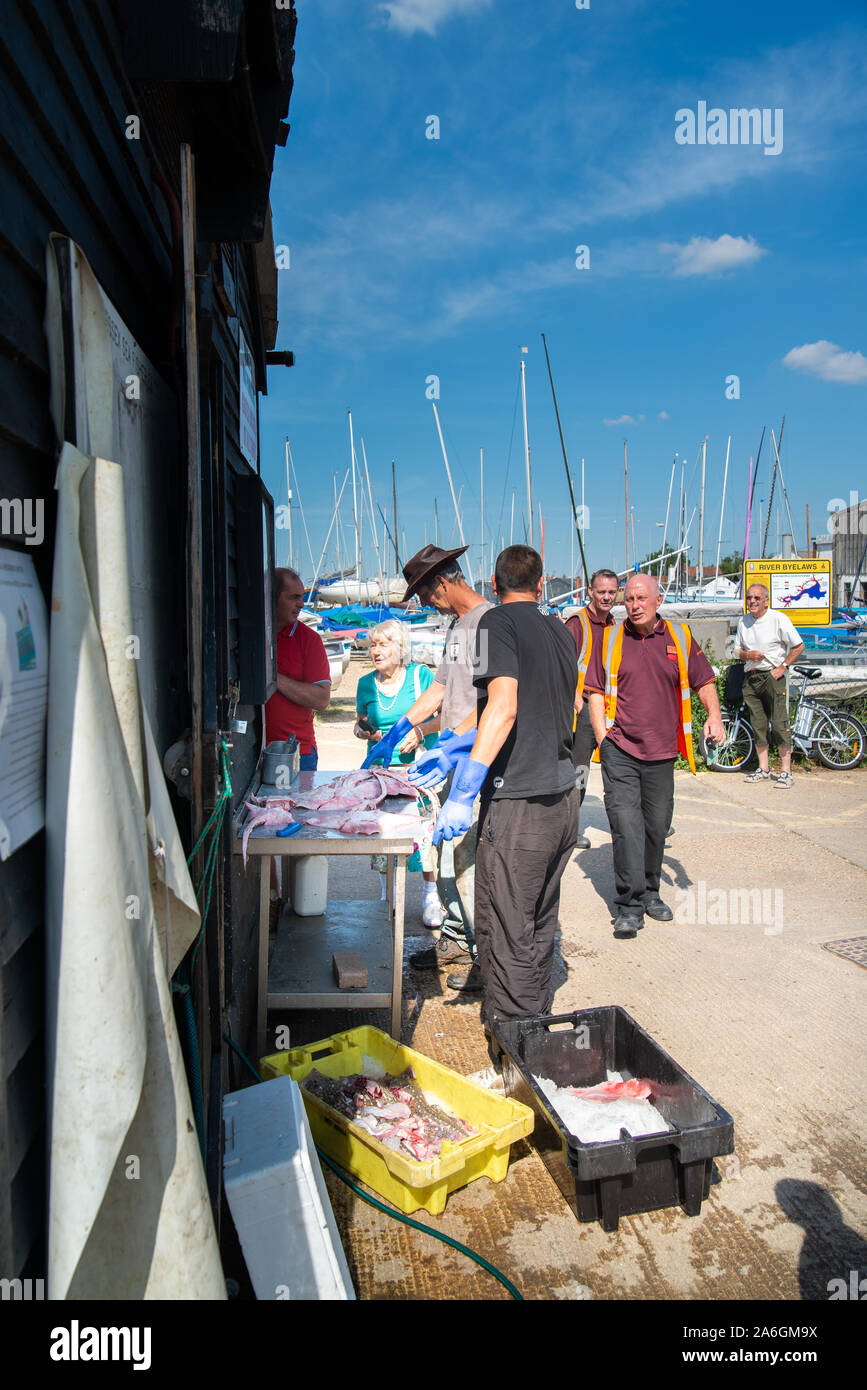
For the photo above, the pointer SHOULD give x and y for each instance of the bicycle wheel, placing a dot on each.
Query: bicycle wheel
(736, 753)
(839, 740)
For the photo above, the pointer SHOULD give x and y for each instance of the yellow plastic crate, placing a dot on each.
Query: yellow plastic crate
(403, 1181)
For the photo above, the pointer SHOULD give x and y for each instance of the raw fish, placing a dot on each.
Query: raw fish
(614, 1090)
(392, 1110)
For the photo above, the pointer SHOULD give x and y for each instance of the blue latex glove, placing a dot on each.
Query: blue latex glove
(433, 767)
(291, 829)
(382, 751)
(456, 815)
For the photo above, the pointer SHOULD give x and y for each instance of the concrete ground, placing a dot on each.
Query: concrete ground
(765, 1019)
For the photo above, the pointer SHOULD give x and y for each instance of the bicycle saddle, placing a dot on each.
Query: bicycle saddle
(811, 672)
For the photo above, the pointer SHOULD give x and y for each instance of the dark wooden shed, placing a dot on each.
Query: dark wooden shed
(103, 104)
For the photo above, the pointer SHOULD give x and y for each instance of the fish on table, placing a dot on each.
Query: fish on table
(353, 804)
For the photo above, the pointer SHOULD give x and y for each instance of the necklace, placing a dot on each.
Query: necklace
(380, 697)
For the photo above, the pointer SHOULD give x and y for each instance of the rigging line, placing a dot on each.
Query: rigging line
(301, 505)
(499, 525)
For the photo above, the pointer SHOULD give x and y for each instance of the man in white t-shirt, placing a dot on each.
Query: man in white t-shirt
(768, 643)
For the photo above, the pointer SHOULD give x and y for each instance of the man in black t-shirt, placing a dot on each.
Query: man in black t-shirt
(521, 763)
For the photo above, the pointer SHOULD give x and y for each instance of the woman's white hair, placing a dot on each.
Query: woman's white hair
(397, 634)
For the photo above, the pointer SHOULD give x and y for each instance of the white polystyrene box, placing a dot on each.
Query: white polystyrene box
(277, 1196)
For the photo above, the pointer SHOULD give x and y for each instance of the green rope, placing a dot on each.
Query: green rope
(398, 1215)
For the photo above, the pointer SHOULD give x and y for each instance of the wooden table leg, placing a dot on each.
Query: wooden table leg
(264, 914)
(397, 913)
(389, 880)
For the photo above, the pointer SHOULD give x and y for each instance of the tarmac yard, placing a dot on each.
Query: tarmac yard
(765, 1018)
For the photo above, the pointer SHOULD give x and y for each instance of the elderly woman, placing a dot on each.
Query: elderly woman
(383, 696)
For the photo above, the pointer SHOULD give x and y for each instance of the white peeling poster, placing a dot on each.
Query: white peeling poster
(23, 701)
(248, 422)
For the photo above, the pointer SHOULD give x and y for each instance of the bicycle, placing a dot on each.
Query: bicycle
(837, 738)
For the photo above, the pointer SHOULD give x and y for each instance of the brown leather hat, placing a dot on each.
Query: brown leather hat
(425, 563)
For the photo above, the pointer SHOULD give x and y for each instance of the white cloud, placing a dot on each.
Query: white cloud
(703, 256)
(828, 361)
(409, 16)
(663, 415)
(621, 420)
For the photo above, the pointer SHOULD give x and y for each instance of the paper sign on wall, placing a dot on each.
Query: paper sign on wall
(23, 701)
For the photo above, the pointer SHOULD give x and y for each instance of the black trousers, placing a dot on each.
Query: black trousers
(522, 850)
(639, 800)
(583, 744)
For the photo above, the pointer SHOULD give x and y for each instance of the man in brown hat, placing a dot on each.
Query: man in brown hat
(435, 576)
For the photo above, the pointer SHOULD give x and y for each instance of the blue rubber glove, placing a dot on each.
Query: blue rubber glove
(382, 751)
(456, 815)
(433, 767)
(291, 829)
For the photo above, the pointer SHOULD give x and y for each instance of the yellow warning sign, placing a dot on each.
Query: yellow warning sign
(799, 588)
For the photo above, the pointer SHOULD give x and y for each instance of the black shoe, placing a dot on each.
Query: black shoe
(448, 951)
(658, 910)
(628, 924)
(582, 842)
(471, 982)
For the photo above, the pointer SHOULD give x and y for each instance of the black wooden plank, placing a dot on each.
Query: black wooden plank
(27, 215)
(21, 901)
(45, 136)
(23, 299)
(81, 63)
(25, 1104)
(22, 1000)
(28, 1211)
(24, 409)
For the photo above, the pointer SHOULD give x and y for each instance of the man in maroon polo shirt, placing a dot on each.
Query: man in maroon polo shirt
(638, 749)
(587, 628)
(303, 674)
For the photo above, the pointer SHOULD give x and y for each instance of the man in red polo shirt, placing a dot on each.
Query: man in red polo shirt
(639, 693)
(303, 675)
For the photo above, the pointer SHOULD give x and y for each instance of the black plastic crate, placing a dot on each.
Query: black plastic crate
(603, 1181)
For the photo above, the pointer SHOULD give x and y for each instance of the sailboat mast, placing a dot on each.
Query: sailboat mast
(436, 524)
(289, 500)
(482, 489)
(566, 461)
(354, 497)
(700, 571)
(382, 594)
(527, 446)
(721, 511)
(680, 518)
(451, 486)
(583, 523)
(667, 510)
(512, 520)
(394, 502)
(337, 532)
(626, 493)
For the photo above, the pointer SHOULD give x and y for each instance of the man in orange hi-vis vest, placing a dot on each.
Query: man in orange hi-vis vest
(587, 627)
(638, 683)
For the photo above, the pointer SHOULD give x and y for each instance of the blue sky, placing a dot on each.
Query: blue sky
(412, 257)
